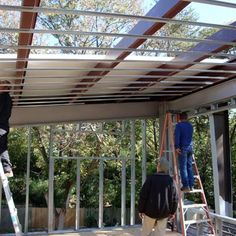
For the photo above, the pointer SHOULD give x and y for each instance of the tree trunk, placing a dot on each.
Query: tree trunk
(155, 138)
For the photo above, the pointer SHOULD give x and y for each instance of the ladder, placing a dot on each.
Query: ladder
(203, 225)
(10, 202)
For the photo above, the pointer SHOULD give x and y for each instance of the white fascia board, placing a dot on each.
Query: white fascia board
(22, 116)
(214, 94)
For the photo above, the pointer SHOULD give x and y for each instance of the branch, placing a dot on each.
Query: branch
(40, 144)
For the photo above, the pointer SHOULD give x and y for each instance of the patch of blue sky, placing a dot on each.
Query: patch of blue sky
(215, 14)
(206, 12)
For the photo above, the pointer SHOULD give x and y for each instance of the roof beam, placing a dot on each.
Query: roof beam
(154, 60)
(112, 35)
(75, 113)
(109, 14)
(210, 95)
(126, 50)
(27, 21)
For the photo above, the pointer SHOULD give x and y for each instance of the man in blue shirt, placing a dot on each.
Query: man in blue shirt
(183, 147)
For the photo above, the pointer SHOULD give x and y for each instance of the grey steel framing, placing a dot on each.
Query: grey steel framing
(101, 179)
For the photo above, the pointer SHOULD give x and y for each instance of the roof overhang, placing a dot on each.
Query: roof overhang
(75, 113)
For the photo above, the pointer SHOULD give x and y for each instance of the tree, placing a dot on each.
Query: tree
(232, 139)
(202, 152)
(82, 23)
(6, 19)
(181, 31)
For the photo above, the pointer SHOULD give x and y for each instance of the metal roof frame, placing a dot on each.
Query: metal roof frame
(117, 77)
(108, 14)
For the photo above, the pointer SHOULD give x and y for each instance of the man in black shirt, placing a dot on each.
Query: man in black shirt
(158, 200)
(5, 113)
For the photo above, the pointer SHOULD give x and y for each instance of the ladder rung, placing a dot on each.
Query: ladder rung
(189, 222)
(196, 191)
(194, 205)
(167, 151)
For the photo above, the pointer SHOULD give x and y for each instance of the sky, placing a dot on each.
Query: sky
(207, 13)
(215, 14)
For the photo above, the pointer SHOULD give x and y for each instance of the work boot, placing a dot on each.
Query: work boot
(6, 164)
(7, 168)
(8, 173)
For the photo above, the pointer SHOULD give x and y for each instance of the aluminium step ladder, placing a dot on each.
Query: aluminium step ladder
(203, 225)
(10, 202)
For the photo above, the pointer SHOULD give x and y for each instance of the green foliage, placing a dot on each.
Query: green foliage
(38, 188)
(181, 31)
(18, 148)
(232, 138)
(113, 141)
(202, 152)
(9, 19)
(90, 222)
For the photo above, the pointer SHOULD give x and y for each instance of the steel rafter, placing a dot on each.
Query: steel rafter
(116, 15)
(27, 21)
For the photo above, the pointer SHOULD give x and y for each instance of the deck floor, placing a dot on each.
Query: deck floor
(119, 231)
